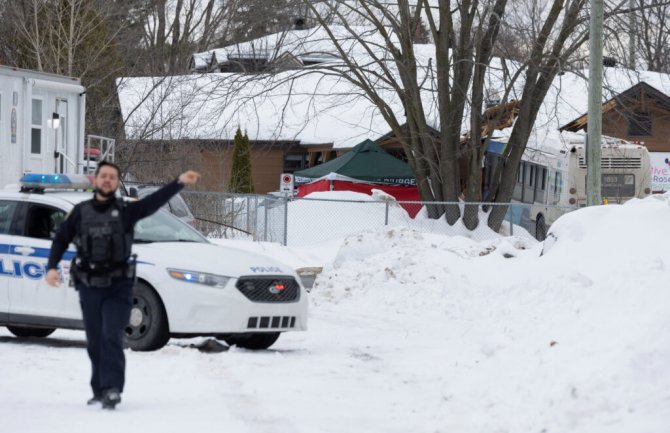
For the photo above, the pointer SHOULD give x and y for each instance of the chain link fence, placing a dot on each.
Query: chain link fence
(306, 221)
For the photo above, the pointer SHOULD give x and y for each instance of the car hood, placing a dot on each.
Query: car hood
(210, 258)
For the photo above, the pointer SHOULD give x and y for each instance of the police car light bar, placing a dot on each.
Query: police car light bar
(36, 181)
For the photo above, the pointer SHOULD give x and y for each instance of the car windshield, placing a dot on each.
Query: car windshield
(165, 227)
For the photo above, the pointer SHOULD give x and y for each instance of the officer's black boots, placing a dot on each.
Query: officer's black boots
(111, 398)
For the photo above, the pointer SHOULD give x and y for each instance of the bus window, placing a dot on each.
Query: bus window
(540, 184)
(517, 194)
(528, 190)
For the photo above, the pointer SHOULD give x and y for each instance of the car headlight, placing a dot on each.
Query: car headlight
(199, 278)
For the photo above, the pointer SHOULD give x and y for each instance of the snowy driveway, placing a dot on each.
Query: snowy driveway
(348, 373)
(478, 368)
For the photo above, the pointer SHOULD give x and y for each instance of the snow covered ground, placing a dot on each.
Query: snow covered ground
(409, 332)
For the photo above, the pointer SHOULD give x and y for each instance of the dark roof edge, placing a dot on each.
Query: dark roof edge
(630, 93)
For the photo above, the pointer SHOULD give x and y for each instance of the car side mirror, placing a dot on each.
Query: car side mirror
(132, 192)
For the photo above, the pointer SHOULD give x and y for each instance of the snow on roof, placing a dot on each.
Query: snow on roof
(311, 109)
(313, 106)
(202, 60)
(313, 44)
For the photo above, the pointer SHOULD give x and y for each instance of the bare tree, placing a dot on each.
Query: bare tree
(418, 92)
(171, 31)
(562, 33)
(67, 37)
(638, 35)
(256, 18)
(466, 35)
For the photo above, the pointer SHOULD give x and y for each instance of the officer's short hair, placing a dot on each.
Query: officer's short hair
(108, 164)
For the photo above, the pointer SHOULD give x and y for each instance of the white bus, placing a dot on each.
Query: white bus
(550, 184)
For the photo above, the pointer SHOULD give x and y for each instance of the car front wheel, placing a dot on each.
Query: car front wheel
(252, 341)
(25, 331)
(148, 325)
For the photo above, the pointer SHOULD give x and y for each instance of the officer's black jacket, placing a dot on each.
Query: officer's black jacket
(131, 213)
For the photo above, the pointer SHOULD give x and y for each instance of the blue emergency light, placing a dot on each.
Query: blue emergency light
(38, 181)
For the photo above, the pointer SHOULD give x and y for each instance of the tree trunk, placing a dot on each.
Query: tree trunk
(159, 37)
(175, 45)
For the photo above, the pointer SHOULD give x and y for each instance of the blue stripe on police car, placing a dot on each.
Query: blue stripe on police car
(26, 269)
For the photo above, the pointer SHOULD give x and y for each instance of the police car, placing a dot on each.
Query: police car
(186, 286)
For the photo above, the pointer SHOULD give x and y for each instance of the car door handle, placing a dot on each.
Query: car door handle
(26, 251)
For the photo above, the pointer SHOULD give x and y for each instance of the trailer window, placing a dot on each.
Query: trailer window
(36, 127)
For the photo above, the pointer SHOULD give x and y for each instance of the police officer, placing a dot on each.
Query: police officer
(104, 271)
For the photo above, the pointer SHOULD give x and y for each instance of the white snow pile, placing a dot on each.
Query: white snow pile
(333, 215)
(507, 340)
(336, 214)
(307, 256)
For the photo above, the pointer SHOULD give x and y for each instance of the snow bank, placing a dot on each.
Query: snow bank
(333, 215)
(574, 340)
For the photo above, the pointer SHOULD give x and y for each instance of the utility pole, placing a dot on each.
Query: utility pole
(595, 113)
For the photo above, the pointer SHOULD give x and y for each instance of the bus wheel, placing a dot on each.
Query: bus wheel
(540, 228)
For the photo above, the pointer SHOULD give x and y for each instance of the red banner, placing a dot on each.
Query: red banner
(401, 193)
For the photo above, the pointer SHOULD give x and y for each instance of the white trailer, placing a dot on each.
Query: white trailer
(41, 124)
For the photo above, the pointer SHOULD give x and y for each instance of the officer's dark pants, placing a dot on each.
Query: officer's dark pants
(106, 313)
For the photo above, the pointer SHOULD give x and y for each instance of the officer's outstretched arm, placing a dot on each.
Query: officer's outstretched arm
(189, 177)
(151, 203)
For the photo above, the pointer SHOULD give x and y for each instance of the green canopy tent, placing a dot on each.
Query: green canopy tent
(364, 168)
(365, 162)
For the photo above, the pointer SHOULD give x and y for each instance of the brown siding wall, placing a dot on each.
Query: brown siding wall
(615, 124)
(162, 162)
(267, 166)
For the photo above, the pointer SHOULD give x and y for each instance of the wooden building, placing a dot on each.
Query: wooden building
(640, 114)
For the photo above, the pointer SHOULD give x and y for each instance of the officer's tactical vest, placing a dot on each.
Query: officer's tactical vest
(103, 243)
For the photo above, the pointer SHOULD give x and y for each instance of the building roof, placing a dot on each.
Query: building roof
(19, 72)
(315, 107)
(621, 100)
(311, 45)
